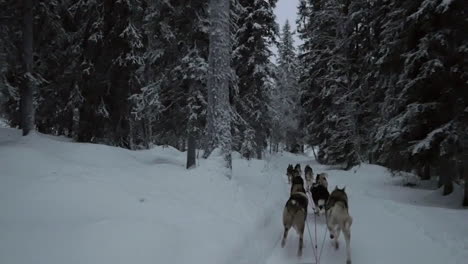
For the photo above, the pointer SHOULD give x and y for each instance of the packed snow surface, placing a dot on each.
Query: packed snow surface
(63, 202)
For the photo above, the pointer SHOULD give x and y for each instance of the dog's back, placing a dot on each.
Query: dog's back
(297, 185)
(297, 201)
(338, 214)
(338, 195)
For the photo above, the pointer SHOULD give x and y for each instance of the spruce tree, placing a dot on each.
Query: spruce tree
(286, 100)
(257, 31)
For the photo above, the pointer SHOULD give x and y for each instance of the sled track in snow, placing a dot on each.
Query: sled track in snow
(264, 239)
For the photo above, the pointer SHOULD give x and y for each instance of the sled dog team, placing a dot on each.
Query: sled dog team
(334, 206)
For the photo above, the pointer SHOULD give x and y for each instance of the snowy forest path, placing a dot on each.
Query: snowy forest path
(263, 240)
(383, 230)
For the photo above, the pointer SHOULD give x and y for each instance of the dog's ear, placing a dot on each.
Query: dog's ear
(344, 188)
(336, 187)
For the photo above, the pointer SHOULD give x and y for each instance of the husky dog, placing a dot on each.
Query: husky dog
(290, 173)
(309, 176)
(297, 185)
(298, 170)
(294, 215)
(338, 218)
(322, 179)
(320, 196)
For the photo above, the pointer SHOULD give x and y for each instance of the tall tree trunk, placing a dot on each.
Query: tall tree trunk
(259, 147)
(191, 151)
(131, 133)
(426, 174)
(465, 198)
(315, 154)
(218, 114)
(27, 92)
(149, 133)
(446, 173)
(75, 123)
(465, 174)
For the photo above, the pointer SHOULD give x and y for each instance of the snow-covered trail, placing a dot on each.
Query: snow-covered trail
(264, 236)
(384, 231)
(66, 202)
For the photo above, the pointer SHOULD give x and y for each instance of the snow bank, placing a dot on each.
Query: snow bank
(65, 202)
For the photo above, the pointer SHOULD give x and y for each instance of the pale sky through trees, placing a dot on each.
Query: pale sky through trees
(287, 10)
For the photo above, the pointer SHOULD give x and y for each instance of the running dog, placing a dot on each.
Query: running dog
(320, 196)
(309, 176)
(290, 173)
(322, 179)
(298, 170)
(295, 215)
(297, 185)
(338, 219)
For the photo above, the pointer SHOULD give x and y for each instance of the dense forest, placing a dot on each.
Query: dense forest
(378, 81)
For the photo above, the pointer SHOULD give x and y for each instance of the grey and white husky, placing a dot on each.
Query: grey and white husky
(338, 219)
(322, 179)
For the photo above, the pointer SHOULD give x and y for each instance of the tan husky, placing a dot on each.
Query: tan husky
(338, 219)
(295, 215)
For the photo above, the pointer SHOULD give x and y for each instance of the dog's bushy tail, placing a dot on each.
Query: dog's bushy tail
(294, 204)
(297, 201)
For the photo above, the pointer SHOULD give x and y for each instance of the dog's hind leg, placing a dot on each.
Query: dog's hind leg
(347, 235)
(301, 242)
(285, 235)
(337, 235)
(330, 225)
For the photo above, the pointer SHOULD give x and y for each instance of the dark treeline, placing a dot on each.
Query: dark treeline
(379, 81)
(134, 73)
(387, 82)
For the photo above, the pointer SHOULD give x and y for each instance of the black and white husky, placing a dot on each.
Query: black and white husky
(298, 170)
(309, 176)
(338, 219)
(320, 196)
(290, 173)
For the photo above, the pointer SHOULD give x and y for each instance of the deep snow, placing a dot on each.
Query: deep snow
(66, 202)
